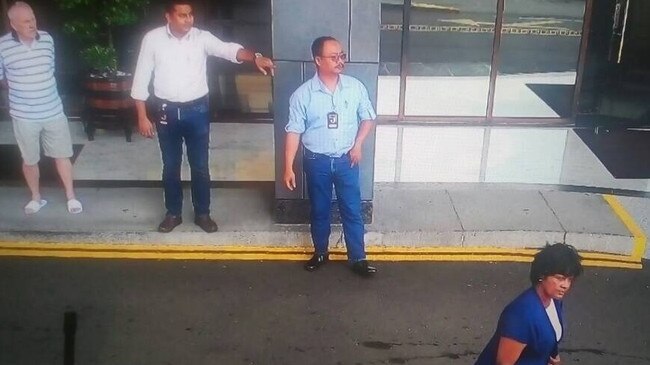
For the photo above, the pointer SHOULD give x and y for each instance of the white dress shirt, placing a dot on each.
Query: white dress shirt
(178, 65)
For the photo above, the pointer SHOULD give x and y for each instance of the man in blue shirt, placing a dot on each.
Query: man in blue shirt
(332, 115)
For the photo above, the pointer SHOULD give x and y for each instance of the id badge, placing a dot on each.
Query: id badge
(163, 113)
(332, 120)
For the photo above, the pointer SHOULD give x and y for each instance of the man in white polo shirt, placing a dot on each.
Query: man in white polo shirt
(27, 63)
(175, 56)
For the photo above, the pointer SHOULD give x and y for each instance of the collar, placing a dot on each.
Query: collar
(171, 36)
(14, 35)
(318, 85)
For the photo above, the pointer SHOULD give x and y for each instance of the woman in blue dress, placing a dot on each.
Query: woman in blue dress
(531, 326)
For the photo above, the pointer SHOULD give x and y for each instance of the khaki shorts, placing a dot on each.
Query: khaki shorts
(54, 134)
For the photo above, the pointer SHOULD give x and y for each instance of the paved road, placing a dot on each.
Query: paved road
(173, 312)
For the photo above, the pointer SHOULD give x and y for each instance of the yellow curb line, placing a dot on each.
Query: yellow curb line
(194, 252)
(640, 239)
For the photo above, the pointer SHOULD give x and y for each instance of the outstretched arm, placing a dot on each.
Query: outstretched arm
(264, 64)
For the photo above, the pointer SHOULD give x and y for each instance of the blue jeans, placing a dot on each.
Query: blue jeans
(188, 122)
(322, 172)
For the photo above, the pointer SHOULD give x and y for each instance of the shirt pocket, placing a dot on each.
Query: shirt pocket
(350, 102)
(349, 112)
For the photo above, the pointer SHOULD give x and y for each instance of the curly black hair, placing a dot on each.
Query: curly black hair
(554, 259)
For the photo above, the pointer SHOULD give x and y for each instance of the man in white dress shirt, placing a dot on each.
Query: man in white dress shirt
(175, 55)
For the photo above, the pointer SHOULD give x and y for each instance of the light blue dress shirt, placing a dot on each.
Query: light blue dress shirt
(312, 101)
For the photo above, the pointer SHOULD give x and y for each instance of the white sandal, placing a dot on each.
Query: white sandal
(74, 206)
(34, 206)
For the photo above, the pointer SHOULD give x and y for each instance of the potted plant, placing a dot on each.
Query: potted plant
(93, 23)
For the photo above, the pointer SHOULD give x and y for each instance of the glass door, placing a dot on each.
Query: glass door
(615, 91)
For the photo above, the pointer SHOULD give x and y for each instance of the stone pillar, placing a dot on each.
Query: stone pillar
(295, 24)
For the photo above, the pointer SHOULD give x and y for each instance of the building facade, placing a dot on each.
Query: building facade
(491, 91)
(484, 91)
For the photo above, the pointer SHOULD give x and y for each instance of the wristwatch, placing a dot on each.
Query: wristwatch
(258, 55)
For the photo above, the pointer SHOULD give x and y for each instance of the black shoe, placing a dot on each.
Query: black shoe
(206, 223)
(362, 268)
(169, 223)
(316, 261)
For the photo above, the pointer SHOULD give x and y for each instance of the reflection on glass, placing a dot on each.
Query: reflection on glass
(450, 50)
(239, 88)
(538, 58)
(390, 48)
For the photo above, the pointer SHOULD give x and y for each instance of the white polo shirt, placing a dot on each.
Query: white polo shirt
(178, 66)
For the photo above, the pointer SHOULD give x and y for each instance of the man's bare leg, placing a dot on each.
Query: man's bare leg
(64, 168)
(32, 176)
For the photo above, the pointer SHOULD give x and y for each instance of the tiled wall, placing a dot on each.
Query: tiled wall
(493, 155)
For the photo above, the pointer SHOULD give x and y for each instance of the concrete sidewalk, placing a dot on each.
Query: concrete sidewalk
(459, 217)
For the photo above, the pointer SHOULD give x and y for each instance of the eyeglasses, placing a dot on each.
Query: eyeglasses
(342, 56)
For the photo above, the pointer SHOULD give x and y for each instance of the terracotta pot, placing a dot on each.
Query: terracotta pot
(109, 93)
